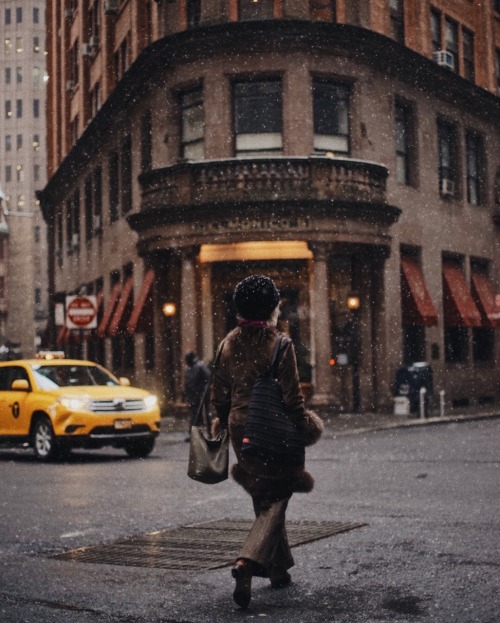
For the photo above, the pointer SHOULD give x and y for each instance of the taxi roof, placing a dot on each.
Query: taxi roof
(49, 362)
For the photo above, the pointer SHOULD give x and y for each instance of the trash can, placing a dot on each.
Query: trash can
(410, 379)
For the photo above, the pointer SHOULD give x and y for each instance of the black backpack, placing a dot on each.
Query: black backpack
(269, 433)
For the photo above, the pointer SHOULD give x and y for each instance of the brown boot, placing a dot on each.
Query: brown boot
(242, 573)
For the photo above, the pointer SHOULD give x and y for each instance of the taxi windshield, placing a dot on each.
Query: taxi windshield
(56, 375)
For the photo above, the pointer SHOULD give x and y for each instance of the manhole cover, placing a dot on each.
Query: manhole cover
(208, 545)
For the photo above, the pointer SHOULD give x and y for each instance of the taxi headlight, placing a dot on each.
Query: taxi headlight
(73, 403)
(150, 401)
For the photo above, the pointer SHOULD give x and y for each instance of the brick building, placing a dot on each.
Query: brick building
(348, 149)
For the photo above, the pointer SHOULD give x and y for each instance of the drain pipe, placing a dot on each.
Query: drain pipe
(441, 402)
(422, 392)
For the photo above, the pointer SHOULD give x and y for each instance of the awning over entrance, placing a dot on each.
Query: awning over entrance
(257, 250)
(484, 294)
(108, 311)
(417, 305)
(458, 304)
(126, 293)
(141, 302)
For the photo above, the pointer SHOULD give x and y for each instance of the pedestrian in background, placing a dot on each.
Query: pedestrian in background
(196, 377)
(245, 353)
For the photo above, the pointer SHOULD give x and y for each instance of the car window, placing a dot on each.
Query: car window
(4, 378)
(71, 376)
(8, 374)
(44, 382)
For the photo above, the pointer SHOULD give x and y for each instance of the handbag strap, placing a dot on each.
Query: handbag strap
(207, 386)
(273, 368)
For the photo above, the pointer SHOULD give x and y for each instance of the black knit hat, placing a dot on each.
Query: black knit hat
(256, 297)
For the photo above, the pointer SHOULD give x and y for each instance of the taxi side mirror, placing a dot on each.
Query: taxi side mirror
(20, 385)
(124, 381)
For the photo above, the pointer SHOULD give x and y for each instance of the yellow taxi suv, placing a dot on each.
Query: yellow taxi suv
(55, 405)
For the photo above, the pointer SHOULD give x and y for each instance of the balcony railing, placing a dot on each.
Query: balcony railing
(260, 180)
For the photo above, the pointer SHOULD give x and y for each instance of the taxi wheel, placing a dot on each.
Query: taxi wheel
(44, 441)
(140, 449)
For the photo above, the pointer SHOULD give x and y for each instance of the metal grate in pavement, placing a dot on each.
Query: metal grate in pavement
(203, 546)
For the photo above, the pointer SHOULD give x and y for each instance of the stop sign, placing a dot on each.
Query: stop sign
(81, 312)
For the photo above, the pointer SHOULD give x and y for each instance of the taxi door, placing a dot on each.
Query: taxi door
(14, 411)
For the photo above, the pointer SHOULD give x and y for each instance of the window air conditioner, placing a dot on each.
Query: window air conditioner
(447, 188)
(68, 13)
(86, 49)
(94, 41)
(444, 59)
(70, 85)
(111, 7)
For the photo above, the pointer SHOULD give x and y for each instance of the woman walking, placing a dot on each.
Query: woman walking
(245, 353)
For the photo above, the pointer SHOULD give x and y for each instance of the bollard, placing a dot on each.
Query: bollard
(422, 392)
(441, 402)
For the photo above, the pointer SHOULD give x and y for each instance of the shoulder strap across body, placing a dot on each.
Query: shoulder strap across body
(207, 386)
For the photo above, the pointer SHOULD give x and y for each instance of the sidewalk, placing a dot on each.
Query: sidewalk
(355, 423)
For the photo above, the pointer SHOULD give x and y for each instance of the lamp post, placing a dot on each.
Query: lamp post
(169, 310)
(353, 304)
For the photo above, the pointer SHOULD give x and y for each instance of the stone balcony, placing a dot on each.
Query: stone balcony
(277, 180)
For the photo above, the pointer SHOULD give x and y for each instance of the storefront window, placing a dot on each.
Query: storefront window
(456, 344)
(482, 344)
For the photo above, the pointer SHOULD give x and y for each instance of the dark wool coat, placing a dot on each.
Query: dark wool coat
(245, 353)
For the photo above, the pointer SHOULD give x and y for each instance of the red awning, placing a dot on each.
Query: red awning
(108, 311)
(140, 303)
(93, 333)
(484, 294)
(63, 336)
(99, 297)
(114, 325)
(418, 308)
(458, 304)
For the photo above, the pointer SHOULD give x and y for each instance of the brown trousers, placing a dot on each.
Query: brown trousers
(267, 542)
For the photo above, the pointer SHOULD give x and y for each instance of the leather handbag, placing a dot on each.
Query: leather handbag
(269, 433)
(208, 458)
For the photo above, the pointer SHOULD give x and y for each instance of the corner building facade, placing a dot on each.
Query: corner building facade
(348, 150)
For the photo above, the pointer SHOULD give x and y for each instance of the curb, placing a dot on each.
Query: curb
(179, 426)
(434, 421)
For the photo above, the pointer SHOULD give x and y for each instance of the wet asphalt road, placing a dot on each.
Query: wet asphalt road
(430, 551)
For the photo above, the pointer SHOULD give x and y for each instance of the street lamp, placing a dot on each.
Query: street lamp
(169, 309)
(354, 304)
